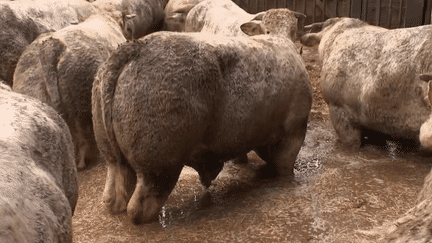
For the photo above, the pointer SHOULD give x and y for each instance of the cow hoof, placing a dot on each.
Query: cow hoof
(142, 208)
(81, 166)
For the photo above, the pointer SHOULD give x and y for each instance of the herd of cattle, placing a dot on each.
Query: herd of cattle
(83, 79)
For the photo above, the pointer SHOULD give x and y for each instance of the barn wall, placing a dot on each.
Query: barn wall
(386, 13)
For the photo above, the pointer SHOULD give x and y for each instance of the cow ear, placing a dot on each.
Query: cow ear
(130, 16)
(259, 16)
(252, 28)
(184, 9)
(314, 28)
(310, 39)
(299, 15)
(175, 18)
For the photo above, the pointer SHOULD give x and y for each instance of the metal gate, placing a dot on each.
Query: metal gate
(386, 13)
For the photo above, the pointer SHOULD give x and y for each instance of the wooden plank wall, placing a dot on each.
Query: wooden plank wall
(386, 13)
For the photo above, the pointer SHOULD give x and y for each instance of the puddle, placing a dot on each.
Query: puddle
(335, 196)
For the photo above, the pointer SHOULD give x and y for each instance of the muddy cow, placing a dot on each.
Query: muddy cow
(176, 12)
(149, 14)
(22, 21)
(173, 99)
(58, 68)
(38, 177)
(369, 77)
(225, 18)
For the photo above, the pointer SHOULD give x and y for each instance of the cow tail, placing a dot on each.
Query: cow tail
(51, 51)
(108, 75)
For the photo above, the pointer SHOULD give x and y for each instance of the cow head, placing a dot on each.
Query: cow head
(280, 22)
(176, 22)
(318, 30)
(128, 27)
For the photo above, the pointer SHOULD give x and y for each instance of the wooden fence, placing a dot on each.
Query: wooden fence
(386, 13)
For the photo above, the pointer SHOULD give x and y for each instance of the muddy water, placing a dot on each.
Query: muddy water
(335, 196)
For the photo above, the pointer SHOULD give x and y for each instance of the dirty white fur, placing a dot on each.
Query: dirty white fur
(370, 77)
(38, 178)
(58, 68)
(176, 12)
(217, 17)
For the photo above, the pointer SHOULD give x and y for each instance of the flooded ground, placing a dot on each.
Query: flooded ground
(336, 195)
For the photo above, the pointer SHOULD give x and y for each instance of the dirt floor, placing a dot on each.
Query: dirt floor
(336, 195)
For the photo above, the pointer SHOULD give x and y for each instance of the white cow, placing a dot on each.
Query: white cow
(370, 77)
(38, 177)
(225, 18)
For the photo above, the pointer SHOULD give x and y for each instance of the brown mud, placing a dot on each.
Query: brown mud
(336, 195)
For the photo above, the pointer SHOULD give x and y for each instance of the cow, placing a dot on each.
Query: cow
(58, 68)
(176, 12)
(172, 99)
(22, 21)
(38, 176)
(369, 77)
(415, 224)
(149, 14)
(225, 18)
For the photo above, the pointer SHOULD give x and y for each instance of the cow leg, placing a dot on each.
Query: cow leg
(118, 187)
(151, 192)
(81, 145)
(347, 133)
(81, 153)
(280, 157)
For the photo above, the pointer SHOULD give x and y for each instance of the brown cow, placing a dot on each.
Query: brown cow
(173, 99)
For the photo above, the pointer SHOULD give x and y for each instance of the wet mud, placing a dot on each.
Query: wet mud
(336, 195)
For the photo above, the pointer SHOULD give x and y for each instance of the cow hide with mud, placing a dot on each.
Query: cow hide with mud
(226, 18)
(38, 177)
(22, 21)
(369, 77)
(59, 67)
(174, 99)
